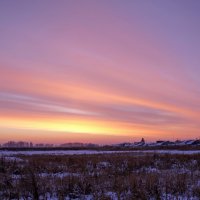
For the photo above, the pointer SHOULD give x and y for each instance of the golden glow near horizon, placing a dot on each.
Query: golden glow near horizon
(91, 73)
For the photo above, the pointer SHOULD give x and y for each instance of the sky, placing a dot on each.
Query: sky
(99, 71)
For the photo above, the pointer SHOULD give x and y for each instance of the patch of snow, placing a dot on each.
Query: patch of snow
(59, 175)
(112, 195)
(12, 158)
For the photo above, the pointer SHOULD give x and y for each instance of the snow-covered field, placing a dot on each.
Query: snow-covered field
(58, 152)
(186, 152)
(90, 175)
(87, 152)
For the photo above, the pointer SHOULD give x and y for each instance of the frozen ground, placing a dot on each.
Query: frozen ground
(112, 175)
(86, 152)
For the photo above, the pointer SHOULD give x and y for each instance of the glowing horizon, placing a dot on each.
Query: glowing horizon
(99, 71)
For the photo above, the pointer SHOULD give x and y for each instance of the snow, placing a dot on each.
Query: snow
(186, 152)
(12, 158)
(112, 195)
(59, 175)
(57, 152)
(11, 154)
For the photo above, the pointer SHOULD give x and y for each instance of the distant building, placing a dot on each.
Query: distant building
(141, 143)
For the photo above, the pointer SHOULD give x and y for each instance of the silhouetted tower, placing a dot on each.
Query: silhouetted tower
(142, 140)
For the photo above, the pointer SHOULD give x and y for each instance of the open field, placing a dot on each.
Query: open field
(85, 175)
(88, 152)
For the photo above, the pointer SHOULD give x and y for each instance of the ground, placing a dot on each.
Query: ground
(91, 175)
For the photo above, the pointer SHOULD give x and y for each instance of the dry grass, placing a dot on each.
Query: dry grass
(127, 176)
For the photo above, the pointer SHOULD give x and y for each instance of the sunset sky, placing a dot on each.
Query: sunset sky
(99, 71)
